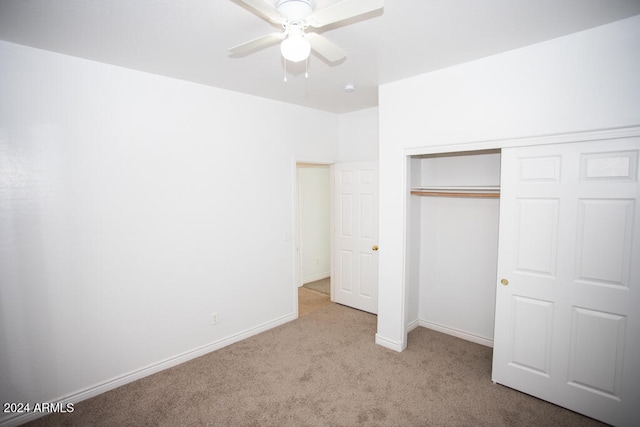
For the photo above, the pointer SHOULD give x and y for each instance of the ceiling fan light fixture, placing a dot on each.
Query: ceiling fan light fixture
(295, 48)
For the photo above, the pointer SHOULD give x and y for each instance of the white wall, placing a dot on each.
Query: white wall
(314, 199)
(132, 206)
(358, 136)
(588, 80)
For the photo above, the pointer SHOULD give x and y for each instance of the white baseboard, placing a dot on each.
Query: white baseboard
(456, 333)
(149, 370)
(412, 325)
(390, 344)
(315, 277)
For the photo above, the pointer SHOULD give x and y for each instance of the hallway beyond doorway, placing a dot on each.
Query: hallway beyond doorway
(322, 285)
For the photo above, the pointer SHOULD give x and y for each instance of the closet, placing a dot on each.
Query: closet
(540, 241)
(454, 218)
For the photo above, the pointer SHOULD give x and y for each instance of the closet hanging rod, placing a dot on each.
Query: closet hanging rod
(461, 191)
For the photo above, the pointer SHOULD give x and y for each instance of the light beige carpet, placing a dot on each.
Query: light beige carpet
(310, 301)
(322, 285)
(324, 369)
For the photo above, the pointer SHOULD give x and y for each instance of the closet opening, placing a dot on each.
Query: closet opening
(453, 243)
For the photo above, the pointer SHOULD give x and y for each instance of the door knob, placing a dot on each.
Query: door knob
(505, 282)
(374, 247)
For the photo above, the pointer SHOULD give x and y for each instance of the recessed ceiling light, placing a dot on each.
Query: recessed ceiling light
(349, 87)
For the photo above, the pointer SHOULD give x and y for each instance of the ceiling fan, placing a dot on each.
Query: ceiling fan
(295, 16)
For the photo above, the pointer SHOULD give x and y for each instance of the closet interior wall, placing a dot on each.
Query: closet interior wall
(454, 241)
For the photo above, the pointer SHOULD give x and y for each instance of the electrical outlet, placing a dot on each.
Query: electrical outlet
(214, 318)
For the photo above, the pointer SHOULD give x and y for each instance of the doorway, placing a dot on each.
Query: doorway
(313, 243)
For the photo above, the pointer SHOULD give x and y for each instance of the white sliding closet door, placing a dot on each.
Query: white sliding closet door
(568, 320)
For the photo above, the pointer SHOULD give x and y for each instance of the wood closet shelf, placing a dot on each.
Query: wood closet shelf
(466, 191)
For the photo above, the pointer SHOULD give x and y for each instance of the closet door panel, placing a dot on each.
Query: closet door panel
(604, 252)
(537, 236)
(539, 168)
(597, 351)
(568, 290)
(532, 321)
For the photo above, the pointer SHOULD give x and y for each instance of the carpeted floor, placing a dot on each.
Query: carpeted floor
(322, 285)
(310, 301)
(324, 369)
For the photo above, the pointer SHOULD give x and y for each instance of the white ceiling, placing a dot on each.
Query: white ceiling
(188, 39)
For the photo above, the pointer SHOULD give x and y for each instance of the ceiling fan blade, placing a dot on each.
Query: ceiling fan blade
(325, 48)
(264, 9)
(256, 44)
(344, 10)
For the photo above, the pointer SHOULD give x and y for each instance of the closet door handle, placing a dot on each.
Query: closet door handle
(504, 282)
(374, 247)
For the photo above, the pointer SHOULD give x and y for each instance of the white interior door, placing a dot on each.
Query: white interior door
(568, 320)
(355, 278)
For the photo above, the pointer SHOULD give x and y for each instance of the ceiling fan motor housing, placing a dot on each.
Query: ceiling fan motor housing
(293, 9)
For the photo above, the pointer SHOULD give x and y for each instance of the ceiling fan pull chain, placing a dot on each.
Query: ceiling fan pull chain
(285, 70)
